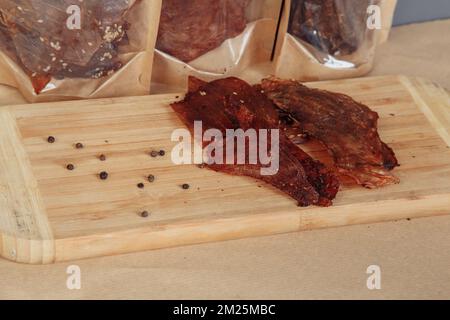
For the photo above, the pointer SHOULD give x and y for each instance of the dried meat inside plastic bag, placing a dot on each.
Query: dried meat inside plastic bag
(189, 29)
(42, 44)
(212, 39)
(337, 27)
(333, 39)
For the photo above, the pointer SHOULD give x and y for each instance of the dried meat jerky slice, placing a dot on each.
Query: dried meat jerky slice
(233, 104)
(347, 128)
(189, 29)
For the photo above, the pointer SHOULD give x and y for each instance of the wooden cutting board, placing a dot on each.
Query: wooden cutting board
(49, 214)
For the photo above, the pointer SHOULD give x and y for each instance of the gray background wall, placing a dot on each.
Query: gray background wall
(409, 11)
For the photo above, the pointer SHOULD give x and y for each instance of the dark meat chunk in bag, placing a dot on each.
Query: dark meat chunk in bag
(348, 129)
(233, 104)
(336, 27)
(189, 29)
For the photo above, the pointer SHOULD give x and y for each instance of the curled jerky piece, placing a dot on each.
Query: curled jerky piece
(348, 129)
(233, 104)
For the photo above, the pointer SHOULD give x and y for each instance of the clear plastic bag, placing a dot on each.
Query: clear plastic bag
(328, 39)
(211, 39)
(63, 49)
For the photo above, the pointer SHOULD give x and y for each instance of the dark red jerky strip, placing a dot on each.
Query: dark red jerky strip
(348, 129)
(233, 104)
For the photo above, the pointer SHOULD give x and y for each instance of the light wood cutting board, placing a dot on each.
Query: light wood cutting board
(49, 214)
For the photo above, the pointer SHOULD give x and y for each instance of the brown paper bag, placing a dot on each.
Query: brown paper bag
(323, 40)
(54, 50)
(213, 39)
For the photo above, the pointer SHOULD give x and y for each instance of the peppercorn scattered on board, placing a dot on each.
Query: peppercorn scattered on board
(51, 214)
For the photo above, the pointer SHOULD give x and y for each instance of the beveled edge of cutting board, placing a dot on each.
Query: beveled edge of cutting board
(26, 237)
(25, 234)
(199, 231)
(433, 101)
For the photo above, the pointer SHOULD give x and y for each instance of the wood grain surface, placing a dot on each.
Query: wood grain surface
(50, 214)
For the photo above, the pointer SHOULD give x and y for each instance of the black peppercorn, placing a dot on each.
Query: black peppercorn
(162, 153)
(185, 186)
(70, 167)
(102, 157)
(141, 186)
(104, 175)
(151, 178)
(51, 139)
(79, 145)
(154, 154)
(145, 214)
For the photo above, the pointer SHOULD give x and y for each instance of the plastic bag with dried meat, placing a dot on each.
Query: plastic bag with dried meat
(211, 39)
(329, 39)
(55, 50)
